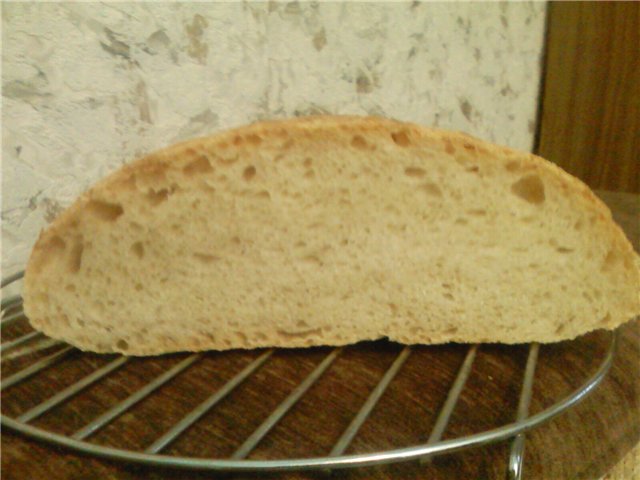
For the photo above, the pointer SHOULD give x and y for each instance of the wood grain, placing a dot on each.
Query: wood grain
(590, 120)
(584, 443)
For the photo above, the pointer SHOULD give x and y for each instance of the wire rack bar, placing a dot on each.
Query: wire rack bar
(134, 398)
(72, 390)
(10, 302)
(35, 368)
(10, 279)
(452, 397)
(322, 463)
(209, 403)
(255, 438)
(9, 319)
(43, 344)
(346, 438)
(516, 453)
(8, 345)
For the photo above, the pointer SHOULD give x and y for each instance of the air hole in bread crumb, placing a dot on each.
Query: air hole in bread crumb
(304, 333)
(52, 248)
(307, 162)
(249, 173)
(155, 174)
(431, 189)
(157, 197)
(560, 328)
(139, 287)
(122, 345)
(529, 188)
(577, 225)
(75, 258)
(401, 139)
(312, 260)
(138, 249)
(309, 174)
(300, 244)
(226, 161)
(264, 194)
(461, 221)
(56, 245)
(512, 166)
(448, 146)
(477, 212)
(199, 166)
(287, 144)
(254, 139)
(109, 212)
(70, 288)
(610, 260)
(130, 182)
(415, 172)
(564, 250)
(359, 142)
(450, 330)
(206, 258)
(473, 169)
(470, 147)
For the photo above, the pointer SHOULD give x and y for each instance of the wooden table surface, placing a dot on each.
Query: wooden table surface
(583, 443)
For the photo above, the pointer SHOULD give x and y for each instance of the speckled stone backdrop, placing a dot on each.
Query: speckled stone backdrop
(87, 87)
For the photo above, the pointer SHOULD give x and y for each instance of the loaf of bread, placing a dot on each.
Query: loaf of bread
(329, 231)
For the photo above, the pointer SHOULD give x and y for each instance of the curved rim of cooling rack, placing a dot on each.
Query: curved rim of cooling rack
(504, 432)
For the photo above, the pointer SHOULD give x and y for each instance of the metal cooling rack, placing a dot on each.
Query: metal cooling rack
(515, 431)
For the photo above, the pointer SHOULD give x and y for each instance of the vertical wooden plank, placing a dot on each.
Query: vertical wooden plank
(590, 118)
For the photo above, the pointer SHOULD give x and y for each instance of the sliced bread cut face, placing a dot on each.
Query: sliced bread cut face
(329, 231)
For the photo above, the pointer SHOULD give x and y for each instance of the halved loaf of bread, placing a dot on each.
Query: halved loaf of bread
(330, 230)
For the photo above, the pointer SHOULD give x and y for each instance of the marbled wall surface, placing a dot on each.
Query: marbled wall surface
(89, 86)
